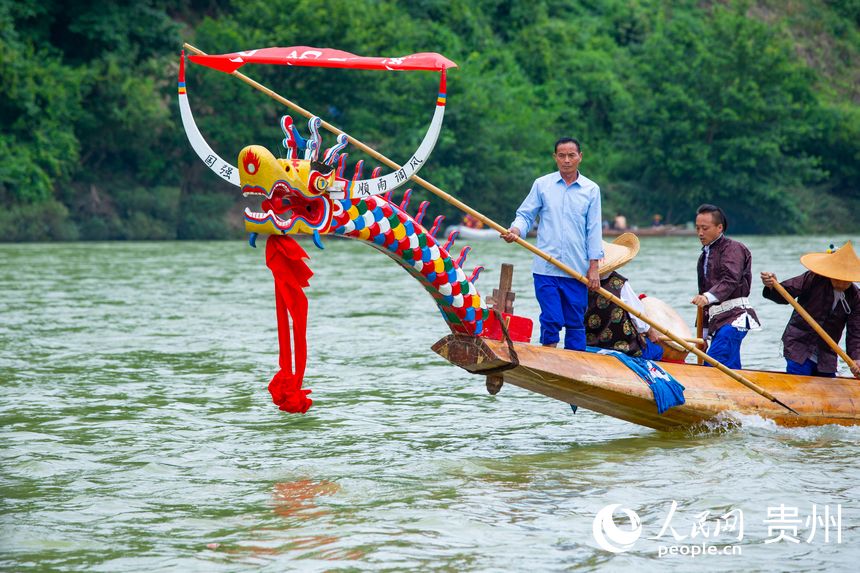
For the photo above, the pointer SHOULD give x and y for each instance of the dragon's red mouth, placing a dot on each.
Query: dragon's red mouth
(285, 205)
(311, 211)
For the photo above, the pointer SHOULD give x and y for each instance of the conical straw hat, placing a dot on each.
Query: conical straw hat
(618, 253)
(842, 264)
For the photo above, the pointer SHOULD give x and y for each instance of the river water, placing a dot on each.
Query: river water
(138, 435)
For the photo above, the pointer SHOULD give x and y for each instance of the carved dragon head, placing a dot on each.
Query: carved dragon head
(296, 190)
(299, 189)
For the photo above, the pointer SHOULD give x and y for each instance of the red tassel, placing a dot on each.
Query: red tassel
(286, 259)
(287, 393)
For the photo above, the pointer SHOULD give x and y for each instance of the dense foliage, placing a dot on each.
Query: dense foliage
(750, 105)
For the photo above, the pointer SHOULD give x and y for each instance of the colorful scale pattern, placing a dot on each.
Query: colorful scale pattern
(395, 233)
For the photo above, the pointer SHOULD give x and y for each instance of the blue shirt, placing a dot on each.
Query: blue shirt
(570, 222)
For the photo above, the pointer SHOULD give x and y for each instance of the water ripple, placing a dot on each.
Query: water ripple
(138, 434)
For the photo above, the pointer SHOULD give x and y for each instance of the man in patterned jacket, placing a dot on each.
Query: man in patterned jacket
(725, 276)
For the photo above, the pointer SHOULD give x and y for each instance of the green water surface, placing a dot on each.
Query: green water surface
(138, 435)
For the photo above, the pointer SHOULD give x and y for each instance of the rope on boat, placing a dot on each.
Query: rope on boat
(494, 380)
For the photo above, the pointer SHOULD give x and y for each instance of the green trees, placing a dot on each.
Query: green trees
(731, 126)
(748, 105)
(86, 119)
(40, 103)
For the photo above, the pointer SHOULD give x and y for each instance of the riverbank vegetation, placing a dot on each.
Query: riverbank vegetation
(751, 105)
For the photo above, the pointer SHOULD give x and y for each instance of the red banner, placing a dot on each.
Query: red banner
(323, 58)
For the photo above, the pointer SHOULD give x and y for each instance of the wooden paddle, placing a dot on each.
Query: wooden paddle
(700, 328)
(815, 326)
(492, 224)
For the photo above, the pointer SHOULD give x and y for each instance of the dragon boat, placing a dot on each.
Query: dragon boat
(306, 192)
(603, 384)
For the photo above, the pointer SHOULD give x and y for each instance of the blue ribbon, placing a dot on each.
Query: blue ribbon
(667, 391)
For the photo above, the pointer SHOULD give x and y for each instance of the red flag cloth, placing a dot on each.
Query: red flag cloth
(323, 58)
(286, 259)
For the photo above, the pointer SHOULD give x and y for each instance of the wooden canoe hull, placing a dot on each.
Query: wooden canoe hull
(603, 384)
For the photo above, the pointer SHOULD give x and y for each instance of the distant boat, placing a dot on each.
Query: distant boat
(471, 234)
(661, 231)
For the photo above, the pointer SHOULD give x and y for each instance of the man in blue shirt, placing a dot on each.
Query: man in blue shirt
(568, 204)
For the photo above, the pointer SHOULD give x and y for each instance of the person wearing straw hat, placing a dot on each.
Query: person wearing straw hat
(725, 276)
(568, 204)
(610, 326)
(828, 293)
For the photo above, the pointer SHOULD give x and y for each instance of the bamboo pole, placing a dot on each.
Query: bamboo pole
(698, 340)
(492, 224)
(700, 328)
(815, 326)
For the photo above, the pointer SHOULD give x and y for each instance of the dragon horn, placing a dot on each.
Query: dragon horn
(314, 143)
(378, 185)
(225, 170)
(289, 141)
(332, 152)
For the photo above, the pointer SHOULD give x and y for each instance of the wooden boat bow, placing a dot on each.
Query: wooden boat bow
(603, 384)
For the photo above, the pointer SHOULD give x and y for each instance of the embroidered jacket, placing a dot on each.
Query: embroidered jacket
(815, 294)
(608, 325)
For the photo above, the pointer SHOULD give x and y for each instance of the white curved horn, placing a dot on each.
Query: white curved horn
(386, 183)
(221, 168)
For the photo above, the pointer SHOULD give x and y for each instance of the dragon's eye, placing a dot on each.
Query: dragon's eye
(252, 162)
(321, 184)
